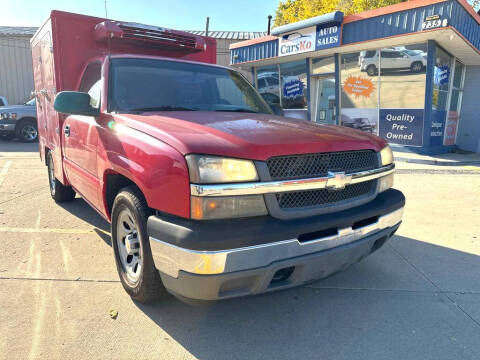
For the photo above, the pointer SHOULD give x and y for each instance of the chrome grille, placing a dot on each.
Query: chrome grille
(317, 165)
(309, 198)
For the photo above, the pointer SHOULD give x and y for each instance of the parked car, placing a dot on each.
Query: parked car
(19, 121)
(3, 101)
(359, 123)
(392, 60)
(209, 194)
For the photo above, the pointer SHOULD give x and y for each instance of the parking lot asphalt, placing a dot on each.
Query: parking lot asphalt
(416, 298)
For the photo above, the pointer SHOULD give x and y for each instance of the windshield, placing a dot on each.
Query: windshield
(31, 102)
(138, 85)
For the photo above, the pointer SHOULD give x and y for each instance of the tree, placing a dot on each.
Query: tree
(289, 11)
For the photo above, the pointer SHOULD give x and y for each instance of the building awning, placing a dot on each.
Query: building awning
(334, 17)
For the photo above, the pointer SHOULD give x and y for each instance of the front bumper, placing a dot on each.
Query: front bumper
(7, 128)
(211, 260)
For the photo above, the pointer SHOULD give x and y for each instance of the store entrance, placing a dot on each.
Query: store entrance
(324, 101)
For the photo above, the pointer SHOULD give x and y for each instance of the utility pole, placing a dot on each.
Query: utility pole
(105, 3)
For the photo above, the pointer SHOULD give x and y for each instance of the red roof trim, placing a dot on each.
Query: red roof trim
(412, 4)
(253, 41)
(470, 10)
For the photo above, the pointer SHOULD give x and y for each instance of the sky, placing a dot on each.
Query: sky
(238, 15)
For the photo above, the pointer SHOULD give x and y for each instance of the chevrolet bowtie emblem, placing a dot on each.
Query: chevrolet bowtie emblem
(337, 180)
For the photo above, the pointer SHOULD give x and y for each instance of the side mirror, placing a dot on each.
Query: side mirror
(74, 103)
(277, 110)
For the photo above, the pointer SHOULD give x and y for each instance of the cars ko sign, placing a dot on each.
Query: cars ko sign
(297, 42)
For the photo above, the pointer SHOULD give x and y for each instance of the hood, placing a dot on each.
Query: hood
(18, 109)
(247, 135)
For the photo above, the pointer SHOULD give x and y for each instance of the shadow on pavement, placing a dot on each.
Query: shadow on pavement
(79, 208)
(17, 146)
(338, 321)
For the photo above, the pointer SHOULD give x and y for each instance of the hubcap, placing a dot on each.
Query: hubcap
(29, 132)
(416, 67)
(129, 246)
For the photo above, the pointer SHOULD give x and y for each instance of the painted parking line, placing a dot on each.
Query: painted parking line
(50, 230)
(4, 171)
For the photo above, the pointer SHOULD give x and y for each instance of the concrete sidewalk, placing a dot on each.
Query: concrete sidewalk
(449, 159)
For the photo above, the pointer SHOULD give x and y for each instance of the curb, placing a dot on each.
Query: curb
(438, 162)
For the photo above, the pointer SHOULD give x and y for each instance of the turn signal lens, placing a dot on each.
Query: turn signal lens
(385, 183)
(386, 155)
(203, 208)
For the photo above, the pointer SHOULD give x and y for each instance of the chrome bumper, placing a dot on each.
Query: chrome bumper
(334, 181)
(170, 259)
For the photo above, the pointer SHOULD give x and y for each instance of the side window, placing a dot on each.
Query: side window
(273, 81)
(262, 83)
(95, 93)
(91, 83)
(1, 102)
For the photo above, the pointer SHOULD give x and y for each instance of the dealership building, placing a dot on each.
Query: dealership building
(408, 72)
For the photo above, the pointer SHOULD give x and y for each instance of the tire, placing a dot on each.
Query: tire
(131, 247)
(27, 131)
(372, 70)
(416, 67)
(58, 191)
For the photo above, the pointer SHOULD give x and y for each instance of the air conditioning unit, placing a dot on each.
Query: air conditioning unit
(148, 36)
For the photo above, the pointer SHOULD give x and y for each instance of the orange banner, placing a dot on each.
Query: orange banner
(358, 86)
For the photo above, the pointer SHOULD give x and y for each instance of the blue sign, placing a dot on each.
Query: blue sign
(328, 35)
(402, 126)
(438, 127)
(292, 89)
(441, 75)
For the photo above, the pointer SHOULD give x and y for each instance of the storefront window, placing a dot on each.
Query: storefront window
(268, 84)
(403, 77)
(323, 65)
(359, 90)
(294, 85)
(451, 123)
(442, 72)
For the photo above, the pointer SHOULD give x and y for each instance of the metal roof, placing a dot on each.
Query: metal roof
(230, 35)
(18, 30)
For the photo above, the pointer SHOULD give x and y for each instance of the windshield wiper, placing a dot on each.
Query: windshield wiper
(163, 108)
(238, 110)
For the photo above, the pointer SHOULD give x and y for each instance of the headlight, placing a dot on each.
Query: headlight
(223, 207)
(11, 116)
(206, 169)
(386, 155)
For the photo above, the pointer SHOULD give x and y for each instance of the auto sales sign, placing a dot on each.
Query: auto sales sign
(297, 42)
(313, 38)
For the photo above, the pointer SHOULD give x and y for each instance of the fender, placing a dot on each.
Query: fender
(156, 168)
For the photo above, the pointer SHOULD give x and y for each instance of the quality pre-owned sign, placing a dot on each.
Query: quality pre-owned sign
(297, 42)
(402, 126)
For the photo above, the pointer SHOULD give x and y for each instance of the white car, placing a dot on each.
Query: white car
(3, 101)
(392, 59)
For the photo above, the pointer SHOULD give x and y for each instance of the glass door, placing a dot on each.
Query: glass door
(324, 101)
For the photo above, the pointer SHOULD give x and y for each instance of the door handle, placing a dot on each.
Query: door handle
(66, 130)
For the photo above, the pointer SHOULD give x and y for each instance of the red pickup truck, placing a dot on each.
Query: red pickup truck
(210, 195)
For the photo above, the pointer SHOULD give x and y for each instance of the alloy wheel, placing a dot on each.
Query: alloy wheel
(129, 245)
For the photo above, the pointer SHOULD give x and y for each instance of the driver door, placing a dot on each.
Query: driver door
(80, 137)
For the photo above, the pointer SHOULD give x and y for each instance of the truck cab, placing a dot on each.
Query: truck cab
(210, 195)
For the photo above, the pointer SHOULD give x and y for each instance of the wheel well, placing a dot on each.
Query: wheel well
(24, 119)
(114, 183)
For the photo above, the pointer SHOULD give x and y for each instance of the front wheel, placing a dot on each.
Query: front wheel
(58, 191)
(131, 247)
(372, 70)
(27, 131)
(416, 67)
